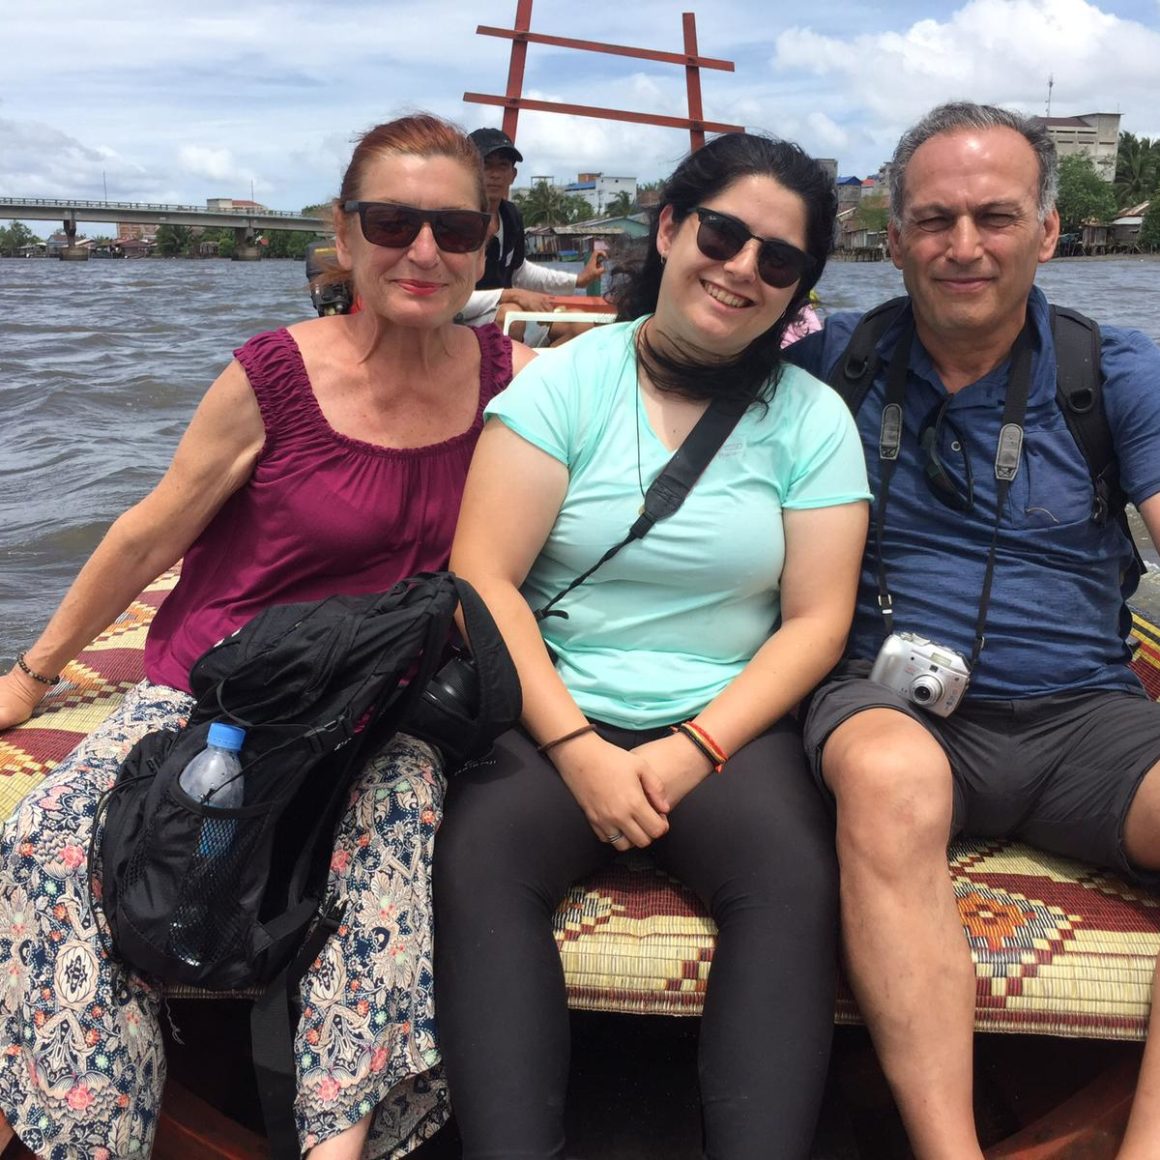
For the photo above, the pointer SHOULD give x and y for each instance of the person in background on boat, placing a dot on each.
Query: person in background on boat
(686, 653)
(329, 457)
(509, 281)
(1055, 742)
(806, 321)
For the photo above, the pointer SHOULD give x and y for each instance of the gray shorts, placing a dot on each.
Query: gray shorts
(1058, 772)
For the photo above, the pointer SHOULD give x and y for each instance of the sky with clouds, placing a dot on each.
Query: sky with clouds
(167, 101)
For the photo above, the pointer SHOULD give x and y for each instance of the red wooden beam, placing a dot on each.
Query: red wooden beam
(518, 35)
(191, 1129)
(515, 84)
(604, 114)
(521, 36)
(693, 82)
(1089, 1126)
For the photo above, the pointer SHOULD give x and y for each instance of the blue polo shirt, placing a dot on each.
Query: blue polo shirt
(1057, 618)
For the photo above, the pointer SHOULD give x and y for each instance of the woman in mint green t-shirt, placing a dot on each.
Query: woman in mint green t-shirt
(684, 654)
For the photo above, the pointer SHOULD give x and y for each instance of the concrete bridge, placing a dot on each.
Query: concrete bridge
(245, 221)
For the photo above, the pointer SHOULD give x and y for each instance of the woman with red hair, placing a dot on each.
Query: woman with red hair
(328, 457)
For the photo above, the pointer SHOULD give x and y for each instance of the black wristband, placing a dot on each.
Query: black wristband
(22, 665)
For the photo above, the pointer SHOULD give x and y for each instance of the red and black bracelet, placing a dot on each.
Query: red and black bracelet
(704, 742)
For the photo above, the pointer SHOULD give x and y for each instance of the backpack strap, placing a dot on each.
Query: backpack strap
(852, 375)
(1078, 390)
(1079, 393)
(273, 1020)
(500, 695)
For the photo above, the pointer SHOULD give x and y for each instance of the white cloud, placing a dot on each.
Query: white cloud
(204, 161)
(152, 96)
(998, 51)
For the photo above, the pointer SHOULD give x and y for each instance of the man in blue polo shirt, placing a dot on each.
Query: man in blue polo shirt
(983, 524)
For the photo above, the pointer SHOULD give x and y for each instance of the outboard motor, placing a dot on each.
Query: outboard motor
(330, 297)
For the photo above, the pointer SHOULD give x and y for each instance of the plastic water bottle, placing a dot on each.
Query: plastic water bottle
(213, 778)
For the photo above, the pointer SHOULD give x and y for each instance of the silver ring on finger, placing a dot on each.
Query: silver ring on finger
(613, 838)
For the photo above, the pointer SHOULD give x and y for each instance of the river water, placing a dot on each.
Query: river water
(103, 362)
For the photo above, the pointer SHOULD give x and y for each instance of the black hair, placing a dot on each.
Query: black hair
(700, 176)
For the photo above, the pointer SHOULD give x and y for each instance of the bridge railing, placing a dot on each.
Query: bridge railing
(61, 203)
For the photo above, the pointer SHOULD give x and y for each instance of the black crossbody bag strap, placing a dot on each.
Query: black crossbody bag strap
(668, 491)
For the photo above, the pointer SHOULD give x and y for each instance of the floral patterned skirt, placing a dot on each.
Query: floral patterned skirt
(81, 1060)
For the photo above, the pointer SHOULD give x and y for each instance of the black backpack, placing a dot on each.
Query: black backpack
(1078, 391)
(319, 688)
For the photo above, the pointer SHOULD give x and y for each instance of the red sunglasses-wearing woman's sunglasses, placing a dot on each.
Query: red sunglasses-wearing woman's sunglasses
(721, 236)
(456, 231)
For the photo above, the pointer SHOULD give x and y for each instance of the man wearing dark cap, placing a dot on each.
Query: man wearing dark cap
(507, 278)
(505, 251)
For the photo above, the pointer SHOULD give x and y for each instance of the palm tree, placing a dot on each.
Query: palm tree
(543, 205)
(1137, 169)
(620, 205)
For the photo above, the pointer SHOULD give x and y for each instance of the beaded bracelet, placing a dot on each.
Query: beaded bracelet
(704, 742)
(567, 737)
(22, 665)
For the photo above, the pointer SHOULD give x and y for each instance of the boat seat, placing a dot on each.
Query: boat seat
(565, 308)
(1060, 948)
(547, 317)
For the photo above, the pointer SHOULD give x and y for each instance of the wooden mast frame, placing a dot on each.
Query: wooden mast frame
(521, 36)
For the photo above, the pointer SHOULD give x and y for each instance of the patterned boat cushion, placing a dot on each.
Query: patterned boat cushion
(1060, 948)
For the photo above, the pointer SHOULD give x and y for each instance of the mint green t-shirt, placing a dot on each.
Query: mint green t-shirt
(666, 624)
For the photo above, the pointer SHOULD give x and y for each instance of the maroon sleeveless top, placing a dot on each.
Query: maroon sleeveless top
(322, 513)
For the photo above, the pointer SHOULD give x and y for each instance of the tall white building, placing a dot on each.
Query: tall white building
(1096, 134)
(599, 189)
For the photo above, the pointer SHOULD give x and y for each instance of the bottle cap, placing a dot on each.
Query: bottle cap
(226, 736)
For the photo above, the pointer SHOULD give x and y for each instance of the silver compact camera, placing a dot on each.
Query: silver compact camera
(933, 677)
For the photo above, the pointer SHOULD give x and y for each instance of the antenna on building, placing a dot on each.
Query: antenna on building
(1050, 86)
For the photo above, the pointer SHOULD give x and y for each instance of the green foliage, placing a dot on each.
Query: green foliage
(1137, 170)
(577, 209)
(872, 214)
(173, 240)
(1083, 194)
(542, 205)
(1150, 227)
(324, 210)
(13, 237)
(548, 205)
(288, 244)
(223, 237)
(620, 205)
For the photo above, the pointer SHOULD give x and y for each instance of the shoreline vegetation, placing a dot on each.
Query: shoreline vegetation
(836, 256)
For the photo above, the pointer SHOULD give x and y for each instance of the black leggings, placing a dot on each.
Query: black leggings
(756, 845)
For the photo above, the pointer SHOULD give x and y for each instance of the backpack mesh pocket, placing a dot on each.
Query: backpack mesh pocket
(211, 912)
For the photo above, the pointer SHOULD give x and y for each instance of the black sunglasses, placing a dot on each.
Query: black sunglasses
(721, 237)
(457, 231)
(942, 485)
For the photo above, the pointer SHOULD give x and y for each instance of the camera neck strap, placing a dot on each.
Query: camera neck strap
(1007, 456)
(667, 492)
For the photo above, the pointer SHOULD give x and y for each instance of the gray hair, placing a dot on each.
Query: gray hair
(957, 115)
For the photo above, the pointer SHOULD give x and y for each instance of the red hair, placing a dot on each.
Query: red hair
(419, 135)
